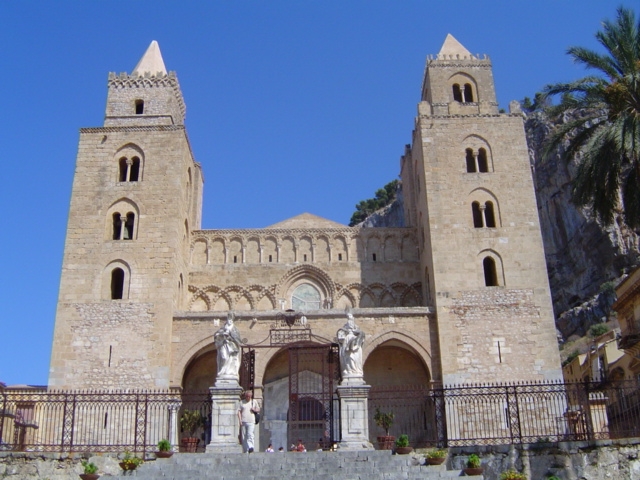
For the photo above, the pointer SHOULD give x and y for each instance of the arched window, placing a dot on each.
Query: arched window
(123, 228)
(305, 297)
(471, 161)
(483, 164)
(128, 227)
(468, 93)
(129, 169)
(477, 215)
(123, 168)
(490, 274)
(134, 172)
(489, 216)
(457, 93)
(139, 107)
(117, 226)
(117, 283)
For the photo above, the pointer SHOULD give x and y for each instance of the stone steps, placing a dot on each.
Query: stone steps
(363, 465)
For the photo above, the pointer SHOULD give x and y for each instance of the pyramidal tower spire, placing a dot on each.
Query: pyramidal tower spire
(151, 62)
(452, 47)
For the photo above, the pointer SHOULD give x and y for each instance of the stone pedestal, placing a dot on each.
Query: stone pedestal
(224, 419)
(354, 415)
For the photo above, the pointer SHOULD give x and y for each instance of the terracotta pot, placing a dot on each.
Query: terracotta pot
(127, 466)
(89, 476)
(404, 450)
(436, 461)
(190, 444)
(386, 442)
(163, 454)
(473, 471)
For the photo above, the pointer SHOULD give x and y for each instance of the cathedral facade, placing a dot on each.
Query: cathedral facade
(459, 294)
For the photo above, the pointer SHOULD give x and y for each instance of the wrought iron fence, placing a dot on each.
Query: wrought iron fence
(509, 413)
(41, 420)
(92, 421)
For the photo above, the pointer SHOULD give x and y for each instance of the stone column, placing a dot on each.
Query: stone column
(174, 406)
(354, 416)
(225, 401)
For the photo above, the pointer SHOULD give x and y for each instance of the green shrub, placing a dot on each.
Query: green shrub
(512, 475)
(402, 441)
(437, 453)
(473, 461)
(164, 445)
(89, 467)
(598, 329)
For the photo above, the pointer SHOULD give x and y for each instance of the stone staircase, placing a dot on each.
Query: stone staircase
(363, 465)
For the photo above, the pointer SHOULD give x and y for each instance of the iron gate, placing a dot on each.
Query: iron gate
(313, 375)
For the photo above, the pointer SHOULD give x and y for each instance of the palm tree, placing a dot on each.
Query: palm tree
(602, 123)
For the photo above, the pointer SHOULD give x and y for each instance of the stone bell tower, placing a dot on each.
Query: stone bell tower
(137, 194)
(469, 193)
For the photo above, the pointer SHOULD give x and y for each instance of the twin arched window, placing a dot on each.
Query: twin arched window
(123, 227)
(462, 94)
(129, 169)
(477, 161)
(483, 215)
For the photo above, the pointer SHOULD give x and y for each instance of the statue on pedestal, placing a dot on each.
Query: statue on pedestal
(351, 339)
(227, 340)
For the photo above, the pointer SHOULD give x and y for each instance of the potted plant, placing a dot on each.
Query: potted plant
(511, 474)
(190, 421)
(130, 462)
(402, 445)
(90, 470)
(384, 420)
(437, 456)
(473, 465)
(164, 449)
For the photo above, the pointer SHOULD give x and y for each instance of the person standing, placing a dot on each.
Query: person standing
(247, 419)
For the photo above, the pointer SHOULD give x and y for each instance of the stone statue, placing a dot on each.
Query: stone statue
(351, 339)
(227, 340)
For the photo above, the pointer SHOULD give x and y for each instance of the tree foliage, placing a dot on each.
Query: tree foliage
(364, 208)
(600, 130)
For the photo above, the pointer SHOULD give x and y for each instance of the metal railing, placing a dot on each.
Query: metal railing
(91, 421)
(509, 413)
(96, 421)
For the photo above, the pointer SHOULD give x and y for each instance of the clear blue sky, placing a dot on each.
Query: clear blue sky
(292, 107)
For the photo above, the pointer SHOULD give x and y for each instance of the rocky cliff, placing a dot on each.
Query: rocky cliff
(581, 254)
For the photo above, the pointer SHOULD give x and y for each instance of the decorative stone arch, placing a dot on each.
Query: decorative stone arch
(306, 274)
(235, 249)
(197, 295)
(253, 249)
(107, 278)
(392, 246)
(200, 251)
(340, 248)
(123, 208)
(288, 249)
(483, 265)
(323, 250)
(400, 338)
(128, 154)
(344, 299)
(217, 250)
(489, 215)
(197, 349)
(477, 145)
(374, 247)
(467, 88)
(270, 249)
